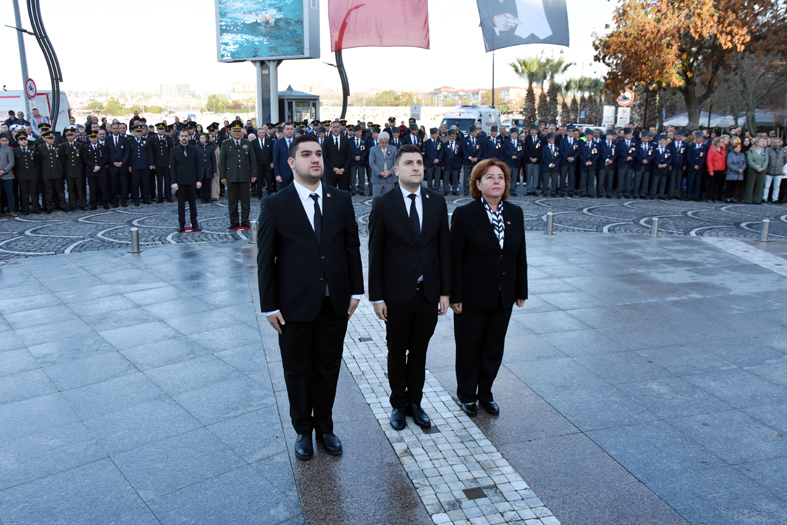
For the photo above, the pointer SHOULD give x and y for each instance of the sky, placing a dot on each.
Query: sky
(94, 43)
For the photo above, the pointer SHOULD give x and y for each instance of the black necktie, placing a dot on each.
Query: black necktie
(317, 217)
(414, 217)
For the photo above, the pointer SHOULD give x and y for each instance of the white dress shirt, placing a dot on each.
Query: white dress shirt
(304, 194)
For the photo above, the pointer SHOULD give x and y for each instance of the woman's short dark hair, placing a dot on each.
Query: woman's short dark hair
(480, 170)
(204, 135)
(407, 148)
(298, 140)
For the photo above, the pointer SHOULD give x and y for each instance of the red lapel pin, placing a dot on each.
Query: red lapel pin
(327, 194)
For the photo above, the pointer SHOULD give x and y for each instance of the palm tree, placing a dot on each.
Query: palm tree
(531, 68)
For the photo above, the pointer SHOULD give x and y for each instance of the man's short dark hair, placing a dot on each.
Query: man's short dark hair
(289, 124)
(407, 148)
(300, 139)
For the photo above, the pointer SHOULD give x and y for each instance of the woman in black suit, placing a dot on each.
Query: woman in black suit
(489, 273)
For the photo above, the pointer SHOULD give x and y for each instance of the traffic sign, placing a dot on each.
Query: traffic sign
(625, 98)
(30, 88)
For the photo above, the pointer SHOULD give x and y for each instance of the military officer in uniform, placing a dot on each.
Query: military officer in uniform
(452, 164)
(26, 167)
(238, 170)
(75, 171)
(141, 161)
(162, 145)
(52, 161)
(95, 157)
(433, 155)
(472, 152)
(513, 151)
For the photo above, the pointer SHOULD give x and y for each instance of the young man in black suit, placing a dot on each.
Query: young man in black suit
(337, 158)
(409, 278)
(311, 280)
(185, 174)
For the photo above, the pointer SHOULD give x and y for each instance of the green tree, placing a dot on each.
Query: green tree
(217, 103)
(113, 103)
(93, 105)
(154, 109)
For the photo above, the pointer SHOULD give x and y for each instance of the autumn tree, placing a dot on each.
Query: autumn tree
(687, 44)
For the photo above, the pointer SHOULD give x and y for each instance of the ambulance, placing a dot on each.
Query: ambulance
(14, 100)
(464, 116)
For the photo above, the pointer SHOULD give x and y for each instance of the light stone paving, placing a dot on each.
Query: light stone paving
(749, 253)
(454, 456)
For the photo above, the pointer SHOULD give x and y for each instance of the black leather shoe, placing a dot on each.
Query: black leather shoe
(471, 409)
(181, 229)
(418, 415)
(492, 408)
(331, 444)
(398, 421)
(196, 227)
(303, 446)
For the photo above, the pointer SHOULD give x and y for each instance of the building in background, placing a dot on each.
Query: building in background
(178, 90)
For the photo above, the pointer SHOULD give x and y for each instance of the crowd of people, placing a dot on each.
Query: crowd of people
(43, 171)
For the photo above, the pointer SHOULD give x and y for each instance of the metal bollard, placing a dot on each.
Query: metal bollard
(550, 223)
(766, 226)
(654, 228)
(134, 241)
(254, 232)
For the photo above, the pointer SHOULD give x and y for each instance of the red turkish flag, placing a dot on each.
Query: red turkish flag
(373, 23)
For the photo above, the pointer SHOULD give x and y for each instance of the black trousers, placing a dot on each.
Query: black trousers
(408, 331)
(28, 190)
(480, 338)
(54, 186)
(163, 183)
(567, 178)
(587, 182)
(715, 185)
(204, 191)
(118, 184)
(140, 185)
(187, 192)
(311, 355)
(99, 187)
(238, 191)
(432, 177)
(76, 191)
(265, 179)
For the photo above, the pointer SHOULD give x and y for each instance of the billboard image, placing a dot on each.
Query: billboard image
(261, 29)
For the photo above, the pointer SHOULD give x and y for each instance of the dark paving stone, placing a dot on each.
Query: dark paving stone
(720, 496)
(768, 473)
(541, 323)
(225, 400)
(253, 436)
(551, 377)
(654, 450)
(112, 396)
(171, 464)
(739, 387)
(623, 367)
(733, 436)
(278, 471)
(161, 353)
(141, 424)
(772, 415)
(688, 359)
(583, 342)
(672, 397)
(92, 493)
(130, 336)
(47, 333)
(192, 374)
(227, 338)
(600, 407)
(25, 385)
(52, 450)
(14, 361)
(35, 415)
(81, 372)
(177, 307)
(245, 496)
(69, 349)
(621, 504)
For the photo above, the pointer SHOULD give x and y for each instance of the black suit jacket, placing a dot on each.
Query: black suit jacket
(119, 154)
(337, 158)
(293, 266)
(184, 169)
(264, 155)
(482, 272)
(396, 260)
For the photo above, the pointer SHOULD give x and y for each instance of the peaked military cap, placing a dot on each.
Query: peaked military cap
(48, 135)
(432, 131)
(92, 133)
(44, 126)
(236, 125)
(21, 135)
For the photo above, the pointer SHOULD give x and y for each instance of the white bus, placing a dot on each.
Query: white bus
(464, 116)
(14, 100)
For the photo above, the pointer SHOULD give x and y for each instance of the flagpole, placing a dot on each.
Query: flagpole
(493, 79)
(345, 83)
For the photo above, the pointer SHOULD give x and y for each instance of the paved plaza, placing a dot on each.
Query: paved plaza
(644, 380)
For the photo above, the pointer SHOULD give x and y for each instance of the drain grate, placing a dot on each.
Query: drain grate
(365, 339)
(475, 493)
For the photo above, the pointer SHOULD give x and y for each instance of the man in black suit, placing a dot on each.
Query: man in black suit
(409, 278)
(337, 158)
(118, 175)
(263, 152)
(311, 280)
(185, 173)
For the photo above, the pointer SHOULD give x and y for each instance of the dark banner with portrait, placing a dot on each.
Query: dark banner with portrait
(507, 23)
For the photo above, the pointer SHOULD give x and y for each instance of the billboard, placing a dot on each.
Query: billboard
(267, 29)
(506, 23)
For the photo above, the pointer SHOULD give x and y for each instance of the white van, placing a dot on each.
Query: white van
(14, 100)
(465, 116)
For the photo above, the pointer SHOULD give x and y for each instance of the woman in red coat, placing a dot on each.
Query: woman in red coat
(717, 167)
